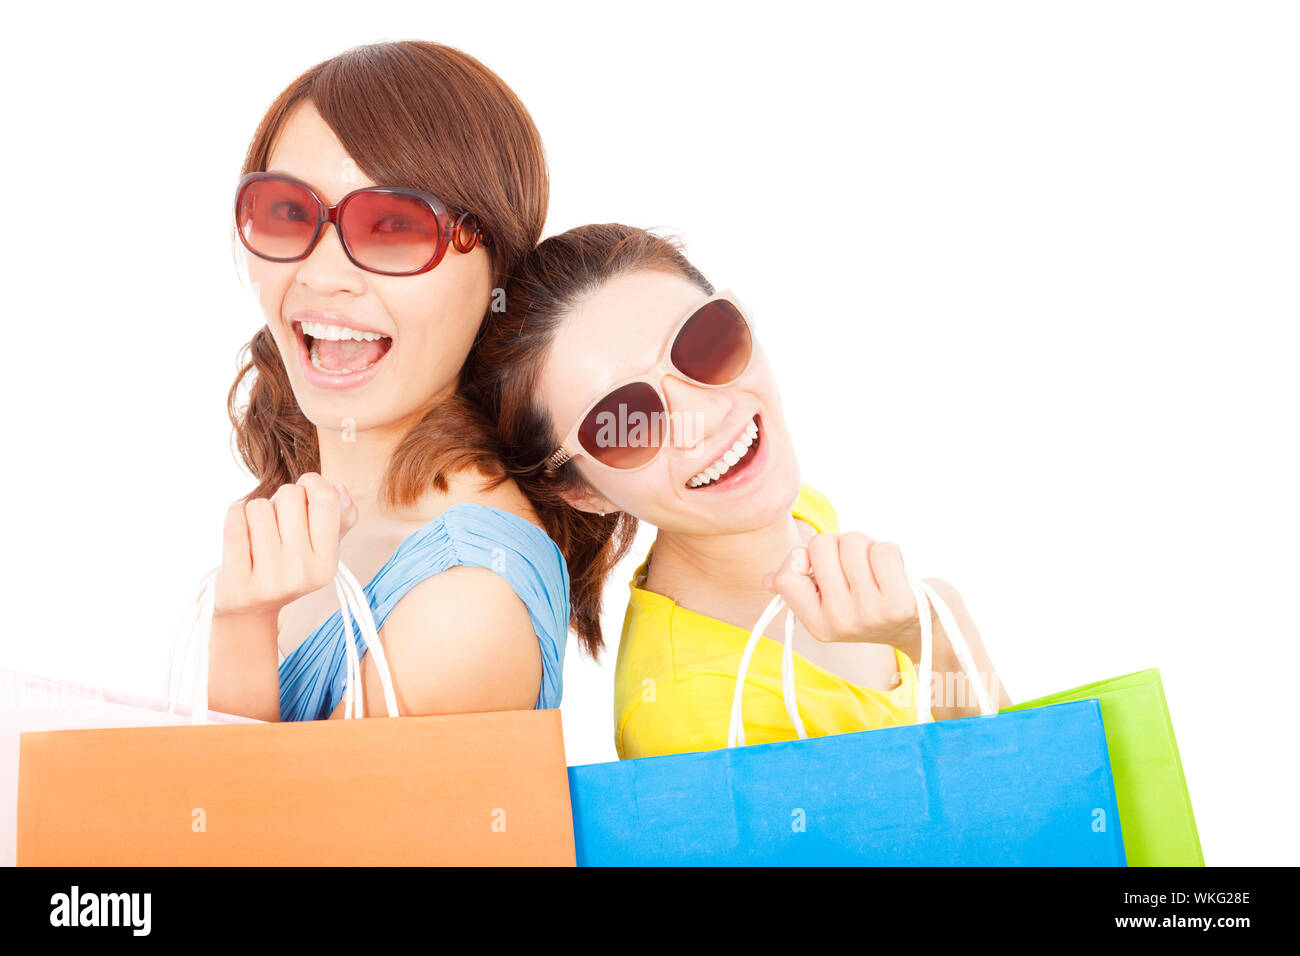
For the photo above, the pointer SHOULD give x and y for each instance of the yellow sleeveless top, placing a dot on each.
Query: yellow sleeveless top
(676, 675)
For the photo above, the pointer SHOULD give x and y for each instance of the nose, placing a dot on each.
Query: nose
(327, 268)
(695, 413)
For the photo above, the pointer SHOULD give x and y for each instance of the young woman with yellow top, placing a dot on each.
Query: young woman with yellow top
(625, 387)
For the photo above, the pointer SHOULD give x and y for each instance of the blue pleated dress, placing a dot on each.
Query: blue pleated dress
(313, 678)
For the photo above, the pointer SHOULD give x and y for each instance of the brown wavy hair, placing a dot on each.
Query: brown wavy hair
(417, 114)
(502, 375)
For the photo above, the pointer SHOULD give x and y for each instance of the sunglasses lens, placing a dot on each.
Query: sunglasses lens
(626, 428)
(390, 232)
(714, 345)
(276, 219)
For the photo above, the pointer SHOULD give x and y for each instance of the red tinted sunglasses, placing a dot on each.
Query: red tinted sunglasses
(625, 429)
(385, 229)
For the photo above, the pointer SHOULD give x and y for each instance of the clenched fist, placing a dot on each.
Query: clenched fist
(278, 549)
(857, 591)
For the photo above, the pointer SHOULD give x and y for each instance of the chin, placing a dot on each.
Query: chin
(341, 415)
(778, 496)
(768, 501)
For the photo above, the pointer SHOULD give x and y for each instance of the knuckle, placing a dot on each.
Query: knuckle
(325, 494)
(235, 523)
(822, 543)
(889, 548)
(886, 554)
(258, 513)
(316, 488)
(259, 509)
(289, 493)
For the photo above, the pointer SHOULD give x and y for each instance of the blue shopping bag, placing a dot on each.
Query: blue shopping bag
(1030, 788)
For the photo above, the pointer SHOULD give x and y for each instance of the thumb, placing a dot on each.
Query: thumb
(794, 582)
(348, 514)
(796, 562)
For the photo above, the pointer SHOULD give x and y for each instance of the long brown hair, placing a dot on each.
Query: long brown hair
(502, 376)
(422, 115)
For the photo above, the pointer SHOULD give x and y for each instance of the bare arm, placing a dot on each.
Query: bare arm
(243, 666)
(458, 642)
(953, 696)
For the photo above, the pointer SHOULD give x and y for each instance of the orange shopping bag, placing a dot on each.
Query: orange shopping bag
(468, 789)
(30, 702)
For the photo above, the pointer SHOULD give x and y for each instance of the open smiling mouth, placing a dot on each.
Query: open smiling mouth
(736, 461)
(336, 350)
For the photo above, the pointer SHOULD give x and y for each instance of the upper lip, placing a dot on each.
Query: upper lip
(333, 318)
(727, 447)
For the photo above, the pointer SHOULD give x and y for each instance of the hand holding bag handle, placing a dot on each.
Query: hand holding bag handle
(925, 596)
(353, 606)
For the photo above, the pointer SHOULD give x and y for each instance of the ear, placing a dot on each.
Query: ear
(585, 500)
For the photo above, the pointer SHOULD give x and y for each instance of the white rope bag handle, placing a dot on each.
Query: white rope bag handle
(354, 607)
(925, 596)
(736, 729)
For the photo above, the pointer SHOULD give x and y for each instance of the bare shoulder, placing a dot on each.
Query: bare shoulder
(473, 487)
(468, 584)
(462, 641)
(470, 602)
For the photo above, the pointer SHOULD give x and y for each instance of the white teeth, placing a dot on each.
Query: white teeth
(339, 333)
(319, 332)
(728, 459)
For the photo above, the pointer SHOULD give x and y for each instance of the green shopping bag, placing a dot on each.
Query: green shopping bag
(1155, 809)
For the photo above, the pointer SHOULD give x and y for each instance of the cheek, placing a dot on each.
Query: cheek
(647, 493)
(760, 376)
(268, 281)
(439, 310)
(760, 381)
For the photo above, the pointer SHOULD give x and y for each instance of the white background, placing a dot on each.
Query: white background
(1028, 272)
